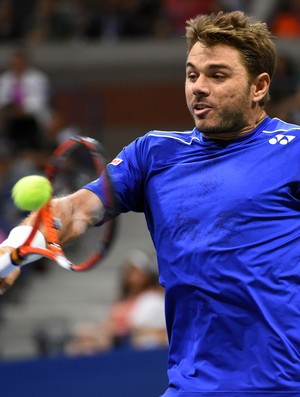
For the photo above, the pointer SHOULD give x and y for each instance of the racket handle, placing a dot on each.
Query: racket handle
(6, 265)
(15, 239)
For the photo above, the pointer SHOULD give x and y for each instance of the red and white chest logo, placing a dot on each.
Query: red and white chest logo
(116, 161)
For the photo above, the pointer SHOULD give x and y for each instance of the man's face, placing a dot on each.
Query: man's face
(19, 63)
(217, 88)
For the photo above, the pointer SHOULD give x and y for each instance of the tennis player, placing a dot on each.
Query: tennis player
(222, 204)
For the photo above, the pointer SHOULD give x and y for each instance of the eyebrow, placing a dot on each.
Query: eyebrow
(211, 66)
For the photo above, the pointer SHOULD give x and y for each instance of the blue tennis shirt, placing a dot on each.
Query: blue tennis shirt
(224, 217)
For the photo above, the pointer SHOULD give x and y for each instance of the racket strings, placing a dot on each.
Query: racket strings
(74, 164)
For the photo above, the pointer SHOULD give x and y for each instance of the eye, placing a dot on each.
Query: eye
(191, 76)
(218, 76)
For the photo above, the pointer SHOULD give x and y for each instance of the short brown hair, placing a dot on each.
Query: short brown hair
(252, 39)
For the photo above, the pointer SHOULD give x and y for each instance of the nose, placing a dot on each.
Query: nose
(201, 86)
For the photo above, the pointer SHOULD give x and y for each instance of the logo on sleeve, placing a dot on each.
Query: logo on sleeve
(281, 139)
(116, 161)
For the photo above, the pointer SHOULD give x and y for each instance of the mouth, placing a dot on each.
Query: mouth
(201, 109)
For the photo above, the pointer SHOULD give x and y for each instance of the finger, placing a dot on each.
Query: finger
(7, 282)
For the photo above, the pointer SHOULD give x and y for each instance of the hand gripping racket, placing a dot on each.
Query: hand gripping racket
(74, 163)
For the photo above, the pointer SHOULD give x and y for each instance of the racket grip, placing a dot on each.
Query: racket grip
(15, 239)
(6, 265)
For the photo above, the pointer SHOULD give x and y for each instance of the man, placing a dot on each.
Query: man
(24, 103)
(222, 206)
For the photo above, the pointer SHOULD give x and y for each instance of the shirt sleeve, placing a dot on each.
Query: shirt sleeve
(126, 172)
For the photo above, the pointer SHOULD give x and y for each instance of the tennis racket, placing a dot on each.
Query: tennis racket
(74, 163)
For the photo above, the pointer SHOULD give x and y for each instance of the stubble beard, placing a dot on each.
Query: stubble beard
(227, 120)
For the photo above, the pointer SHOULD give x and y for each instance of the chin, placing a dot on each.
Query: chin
(208, 128)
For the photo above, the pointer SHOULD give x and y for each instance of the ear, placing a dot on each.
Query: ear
(261, 87)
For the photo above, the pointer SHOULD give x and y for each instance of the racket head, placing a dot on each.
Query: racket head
(74, 163)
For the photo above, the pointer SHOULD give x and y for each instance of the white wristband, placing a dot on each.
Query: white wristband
(17, 237)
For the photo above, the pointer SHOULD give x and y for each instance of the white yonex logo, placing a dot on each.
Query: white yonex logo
(281, 139)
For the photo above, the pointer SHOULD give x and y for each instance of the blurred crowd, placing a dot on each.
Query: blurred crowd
(135, 319)
(42, 21)
(30, 128)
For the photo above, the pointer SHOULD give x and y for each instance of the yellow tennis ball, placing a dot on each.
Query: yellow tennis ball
(31, 192)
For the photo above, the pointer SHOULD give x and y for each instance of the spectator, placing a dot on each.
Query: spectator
(24, 97)
(284, 82)
(147, 320)
(137, 277)
(284, 91)
(52, 21)
(262, 10)
(242, 5)
(286, 21)
(288, 107)
(140, 18)
(59, 128)
(177, 12)
(10, 30)
(115, 19)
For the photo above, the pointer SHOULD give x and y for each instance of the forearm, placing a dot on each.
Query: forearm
(75, 214)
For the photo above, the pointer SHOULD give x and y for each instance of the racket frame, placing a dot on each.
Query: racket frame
(44, 216)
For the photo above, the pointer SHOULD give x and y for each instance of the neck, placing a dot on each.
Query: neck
(237, 134)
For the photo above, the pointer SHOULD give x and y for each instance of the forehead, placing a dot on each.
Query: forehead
(218, 54)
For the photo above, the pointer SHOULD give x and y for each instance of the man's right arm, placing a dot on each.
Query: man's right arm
(76, 213)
